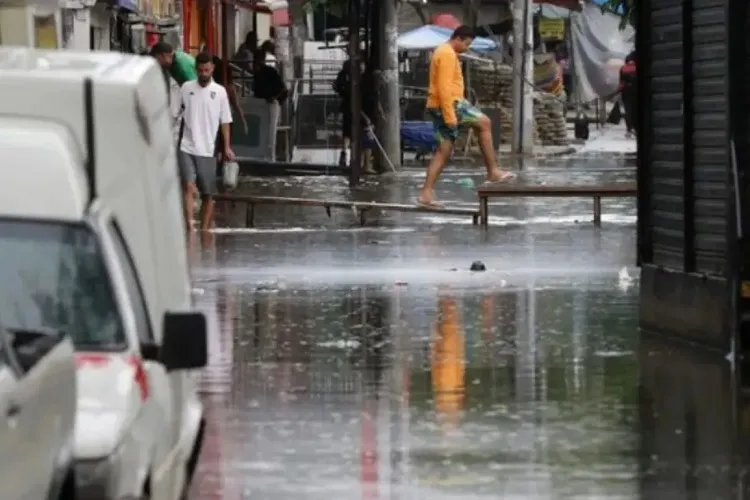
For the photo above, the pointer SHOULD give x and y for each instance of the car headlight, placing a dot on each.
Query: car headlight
(98, 479)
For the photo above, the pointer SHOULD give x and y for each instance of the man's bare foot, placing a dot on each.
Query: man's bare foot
(501, 176)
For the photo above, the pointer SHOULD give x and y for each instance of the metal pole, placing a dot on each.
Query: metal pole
(528, 90)
(283, 54)
(355, 55)
(389, 109)
(374, 60)
(523, 73)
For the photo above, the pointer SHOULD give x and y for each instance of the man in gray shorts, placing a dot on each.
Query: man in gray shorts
(205, 108)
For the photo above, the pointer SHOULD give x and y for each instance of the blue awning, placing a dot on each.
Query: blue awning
(429, 37)
(131, 5)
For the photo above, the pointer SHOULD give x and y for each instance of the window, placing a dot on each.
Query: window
(53, 277)
(45, 32)
(133, 283)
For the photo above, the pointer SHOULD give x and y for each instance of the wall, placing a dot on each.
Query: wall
(688, 237)
(247, 20)
(15, 26)
(37, 26)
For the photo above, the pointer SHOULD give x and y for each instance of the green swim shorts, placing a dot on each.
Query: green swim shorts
(466, 114)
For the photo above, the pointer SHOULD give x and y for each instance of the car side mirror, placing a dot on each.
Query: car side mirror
(184, 343)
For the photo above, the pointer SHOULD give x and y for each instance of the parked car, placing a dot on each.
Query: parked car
(95, 203)
(37, 410)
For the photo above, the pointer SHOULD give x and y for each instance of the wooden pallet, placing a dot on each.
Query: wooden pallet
(487, 191)
(359, 207)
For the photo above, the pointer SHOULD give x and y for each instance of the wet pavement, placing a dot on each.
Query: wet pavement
(370, 363)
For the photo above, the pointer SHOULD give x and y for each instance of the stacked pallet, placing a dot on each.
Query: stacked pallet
(493, 85)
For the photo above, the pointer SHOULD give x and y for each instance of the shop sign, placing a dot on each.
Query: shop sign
(552, 30)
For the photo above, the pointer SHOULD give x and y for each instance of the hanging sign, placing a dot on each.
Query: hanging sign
(552, 30)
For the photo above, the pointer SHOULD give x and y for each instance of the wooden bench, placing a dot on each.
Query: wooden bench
(485, 192)
(359, 207)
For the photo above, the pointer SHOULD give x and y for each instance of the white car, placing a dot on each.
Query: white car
(127, 444)
(37, 405)
(88, 140)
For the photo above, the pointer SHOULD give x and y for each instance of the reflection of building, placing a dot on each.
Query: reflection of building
(218, 305)
(209, 478)
(690, 444)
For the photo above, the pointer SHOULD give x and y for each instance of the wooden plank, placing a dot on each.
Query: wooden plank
(544, 190)
(359, 205)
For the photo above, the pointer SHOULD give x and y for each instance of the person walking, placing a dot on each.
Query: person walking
(164, 55)
(627, 88)
(206, 108)
(269, 86)
(246, 52)
(449, 110)
(342, 85)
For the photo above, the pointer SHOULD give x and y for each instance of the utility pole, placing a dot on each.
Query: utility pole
(523, 74)
(388, 122)
(355, 77)
(282, 42)
(298, 13)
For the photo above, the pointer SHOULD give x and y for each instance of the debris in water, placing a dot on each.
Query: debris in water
(478, 265)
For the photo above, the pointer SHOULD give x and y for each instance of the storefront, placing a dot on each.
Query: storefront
(121, 25)
(31, 23)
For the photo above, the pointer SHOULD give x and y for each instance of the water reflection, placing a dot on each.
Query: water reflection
(387, 394)
(416, 392)
(447, 363)
(692, 430)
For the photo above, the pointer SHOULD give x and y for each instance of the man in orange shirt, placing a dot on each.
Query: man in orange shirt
(449, 110)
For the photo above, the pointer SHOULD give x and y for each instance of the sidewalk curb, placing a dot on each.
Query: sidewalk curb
(569, 150)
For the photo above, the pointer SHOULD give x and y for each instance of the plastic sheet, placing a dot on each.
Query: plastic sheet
(599, 48)
(419, 136)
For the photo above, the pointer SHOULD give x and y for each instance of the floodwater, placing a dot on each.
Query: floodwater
(370, 363)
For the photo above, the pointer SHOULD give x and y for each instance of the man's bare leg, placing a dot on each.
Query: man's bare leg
(207, 213)
(483, 128)
(192, 249)
(188, 204)
(207, 240)
(437, 163)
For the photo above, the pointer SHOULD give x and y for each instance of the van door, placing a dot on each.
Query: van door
(13, 475)
(44, 405)
(159, 404)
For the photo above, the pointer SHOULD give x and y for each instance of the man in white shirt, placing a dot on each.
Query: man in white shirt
(205, 108)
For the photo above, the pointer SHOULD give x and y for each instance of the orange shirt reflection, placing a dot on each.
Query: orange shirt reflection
(448, 363)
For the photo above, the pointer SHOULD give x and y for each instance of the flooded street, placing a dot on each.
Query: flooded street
(352, 362)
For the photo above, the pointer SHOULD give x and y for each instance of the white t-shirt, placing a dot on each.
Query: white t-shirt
(205, 108)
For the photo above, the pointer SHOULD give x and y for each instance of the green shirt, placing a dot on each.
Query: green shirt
(183, 68)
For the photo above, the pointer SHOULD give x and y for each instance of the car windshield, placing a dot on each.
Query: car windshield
(53, 277)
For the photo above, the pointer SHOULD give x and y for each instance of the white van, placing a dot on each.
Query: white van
(86, 146)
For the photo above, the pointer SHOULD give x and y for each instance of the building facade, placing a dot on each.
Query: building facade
(30, 23)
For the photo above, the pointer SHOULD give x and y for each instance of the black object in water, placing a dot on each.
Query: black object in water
(478, 265)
